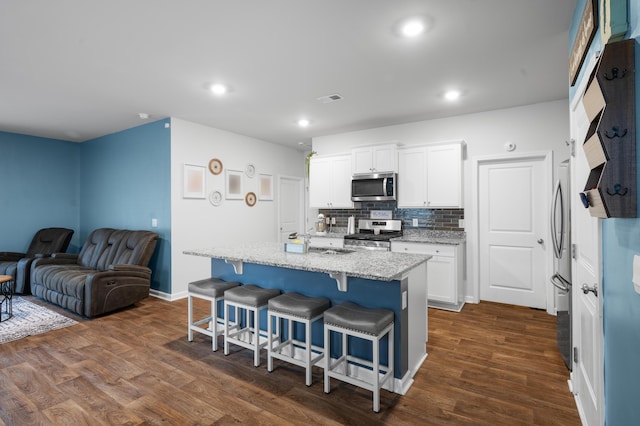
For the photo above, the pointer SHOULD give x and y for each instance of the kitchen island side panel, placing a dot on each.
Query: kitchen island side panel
(365, 292)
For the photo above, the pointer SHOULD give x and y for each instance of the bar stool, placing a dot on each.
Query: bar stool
(295, 307)
(251, 300)
(353, 320)
(211, 289)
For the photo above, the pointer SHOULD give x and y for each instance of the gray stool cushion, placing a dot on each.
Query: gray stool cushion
(354, 317)
(298, 305)
(211, 287)
(250, 295)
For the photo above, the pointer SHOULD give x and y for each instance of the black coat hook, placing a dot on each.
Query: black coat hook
(616, 133)
(615, 74)
(617, 190)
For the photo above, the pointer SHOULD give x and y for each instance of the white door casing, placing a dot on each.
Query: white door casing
(512, 203)
(290, 206)
(587, 377)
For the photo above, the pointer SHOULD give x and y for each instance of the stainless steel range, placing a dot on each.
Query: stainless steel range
(374, 234)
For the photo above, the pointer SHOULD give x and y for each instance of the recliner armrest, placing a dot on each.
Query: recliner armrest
(53, 260)
(127, 267)
(117, 287)
(11, 256)
(65, 256)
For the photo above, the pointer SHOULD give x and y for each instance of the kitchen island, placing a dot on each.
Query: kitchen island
(394, 281)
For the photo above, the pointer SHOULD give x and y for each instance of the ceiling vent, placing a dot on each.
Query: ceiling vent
(330, 98)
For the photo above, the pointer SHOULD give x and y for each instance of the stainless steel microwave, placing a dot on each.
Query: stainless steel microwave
(374, 187)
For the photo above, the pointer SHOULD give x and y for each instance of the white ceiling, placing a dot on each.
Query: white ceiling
(79, 69)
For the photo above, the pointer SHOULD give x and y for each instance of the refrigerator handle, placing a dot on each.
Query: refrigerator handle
(557, 245)
(560, 283)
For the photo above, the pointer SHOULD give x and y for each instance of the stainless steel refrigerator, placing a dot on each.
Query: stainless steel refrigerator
(561, 243)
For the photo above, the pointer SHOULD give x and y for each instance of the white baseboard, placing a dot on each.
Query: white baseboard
(166, 296)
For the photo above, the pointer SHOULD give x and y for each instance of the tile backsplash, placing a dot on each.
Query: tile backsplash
(435, 219)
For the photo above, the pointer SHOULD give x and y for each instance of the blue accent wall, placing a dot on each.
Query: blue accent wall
(621, 315)
(126, 181)
(39, 188)
(621, 304)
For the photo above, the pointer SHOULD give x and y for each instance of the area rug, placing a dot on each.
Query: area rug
(30, 319)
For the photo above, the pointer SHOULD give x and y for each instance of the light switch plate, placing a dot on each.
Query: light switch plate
(154, 223)
(414, 222)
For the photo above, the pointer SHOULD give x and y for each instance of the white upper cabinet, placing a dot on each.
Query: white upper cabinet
(444, 176)
(412, 177)
(374, 159)
(430, 176)
(330, 182)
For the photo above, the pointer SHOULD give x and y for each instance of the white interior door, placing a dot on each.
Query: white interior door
(290, 206)
(587, 377)
(512, 212)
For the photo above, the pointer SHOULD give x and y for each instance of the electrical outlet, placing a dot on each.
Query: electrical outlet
(333, 220)
(414, 222)
(327, 220)
(404, 299)
(460, 223)
(154, 223)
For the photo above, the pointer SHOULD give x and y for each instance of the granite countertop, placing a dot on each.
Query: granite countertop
(374, 265)
(432, 237)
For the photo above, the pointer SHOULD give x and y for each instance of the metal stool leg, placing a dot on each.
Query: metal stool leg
(190, 315)
(214, 325)
(307, 339)
(327, 358)
(376, 374)
(256, 336)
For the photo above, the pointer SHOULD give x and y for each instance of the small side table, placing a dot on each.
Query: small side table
(6, 297)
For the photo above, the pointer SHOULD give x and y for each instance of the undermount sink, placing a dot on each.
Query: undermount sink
(329, 251)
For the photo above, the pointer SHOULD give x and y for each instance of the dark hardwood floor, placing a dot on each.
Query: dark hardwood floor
(489, 364)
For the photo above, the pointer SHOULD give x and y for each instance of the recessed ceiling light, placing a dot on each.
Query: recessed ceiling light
(303, 122)
(218, 89)
(452, 95)
(412, 28)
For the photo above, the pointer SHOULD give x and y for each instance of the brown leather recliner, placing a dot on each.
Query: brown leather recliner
(109, 273)
(45, 242)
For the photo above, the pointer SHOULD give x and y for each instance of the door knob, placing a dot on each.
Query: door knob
(540, 241)
(586, 289)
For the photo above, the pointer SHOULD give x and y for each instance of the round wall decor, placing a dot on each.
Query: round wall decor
(250, 199)
(215, 198)
(215, 166)
(250, 170)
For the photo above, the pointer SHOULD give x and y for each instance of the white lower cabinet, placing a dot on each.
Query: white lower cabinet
(445, 272)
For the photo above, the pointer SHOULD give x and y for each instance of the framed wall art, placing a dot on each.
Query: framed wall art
(266, 188)
(194, 181)
(234, 185)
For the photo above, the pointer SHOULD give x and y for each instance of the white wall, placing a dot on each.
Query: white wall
(543, 126)
(196, 223)
(533, 128)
